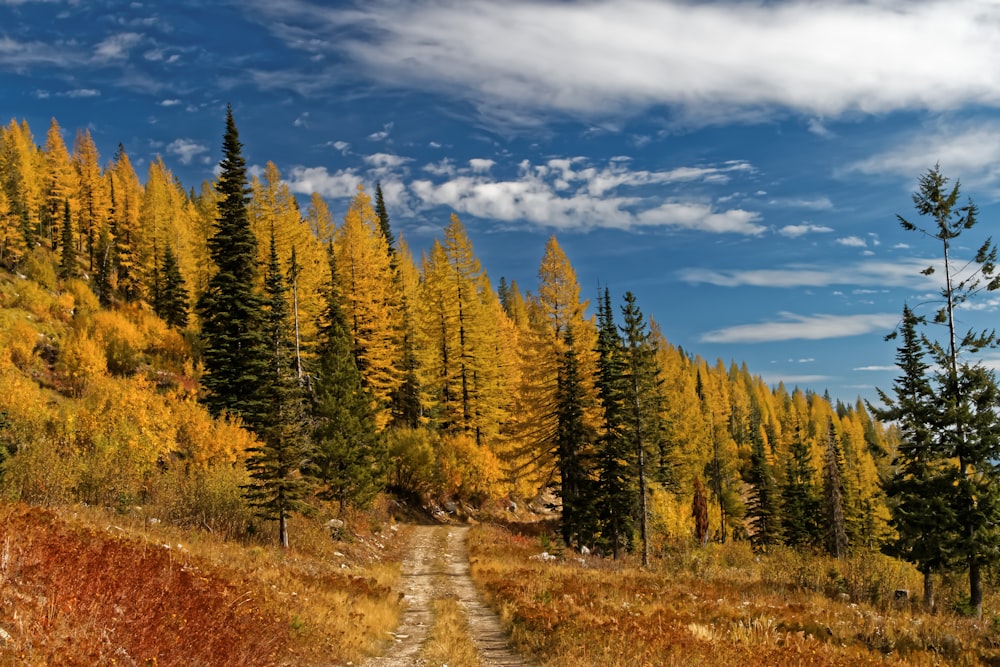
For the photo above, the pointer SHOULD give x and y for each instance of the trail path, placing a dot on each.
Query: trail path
(437, 566)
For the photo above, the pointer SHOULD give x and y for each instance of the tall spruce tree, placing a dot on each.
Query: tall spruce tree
(800, 506)
(350, 454)
(574, 441)
(918, 485)
(762, 505)
(616, 478)
(968, 427)
(834, 525)
(232, 310)
(645, 426)
(278, 463)
(172, 304)
(383, 220)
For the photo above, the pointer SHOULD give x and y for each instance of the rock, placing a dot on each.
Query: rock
(5, 636)
(544, 556)
(584, 551)
(450, 507)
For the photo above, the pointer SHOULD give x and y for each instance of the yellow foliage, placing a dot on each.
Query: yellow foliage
(81, 361)
(18, 338)
(468, 470)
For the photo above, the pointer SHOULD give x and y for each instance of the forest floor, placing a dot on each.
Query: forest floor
(436, 578)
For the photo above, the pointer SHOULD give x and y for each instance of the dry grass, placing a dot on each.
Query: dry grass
(716, 606)
(448, 641)
(81, 587)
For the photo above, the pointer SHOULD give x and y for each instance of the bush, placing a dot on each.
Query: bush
(411, 453)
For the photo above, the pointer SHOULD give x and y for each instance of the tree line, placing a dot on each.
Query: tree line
(360, 368)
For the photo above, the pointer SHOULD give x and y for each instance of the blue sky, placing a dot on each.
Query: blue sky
(737, 165)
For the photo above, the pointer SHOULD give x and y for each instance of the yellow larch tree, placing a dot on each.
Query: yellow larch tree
(370, 301)
(320, 219)
(59, 187)
(20, 172)
(126, 228)
(556, 308)
(93, 200)
(273, 206)
(412, 403)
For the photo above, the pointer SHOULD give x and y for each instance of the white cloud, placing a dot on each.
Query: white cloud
(712, 61)
(812, 204)
(690, 215)
(803, 327)
(903, 273)
(481, 164)
(342, 146)
(795, 231)
(969, 151)
(879, 369)
(383, 134)
(170, 103)
(302, 120)
(82, 92)
(307, 180)
(116, 46)
(853, 242)
(817, 127)
(186, 149)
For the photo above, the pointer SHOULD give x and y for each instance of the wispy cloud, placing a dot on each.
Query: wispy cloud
(879, 369)
(969, 151)
(902, 273)
(727, 60)
(795, 231)
(852, 242)
(803, 327)
(116, 46)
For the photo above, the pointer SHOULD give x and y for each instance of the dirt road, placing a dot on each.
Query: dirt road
(437, 567)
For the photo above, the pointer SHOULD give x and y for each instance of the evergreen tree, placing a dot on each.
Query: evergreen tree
(574, 440)
(67, 263)
(172, 304)
(235, 345)
(918, 486)
(834, 525)
(799, 503)
(645, 424)
(967, 428)
(762, 505)
(350, 454)
(383, 220)
(277, 464)
(616, 478)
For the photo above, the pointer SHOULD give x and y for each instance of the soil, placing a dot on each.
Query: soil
(437, 566)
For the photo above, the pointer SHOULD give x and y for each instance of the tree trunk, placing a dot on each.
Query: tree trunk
(928, 591)
(283, 530)
(975, 587)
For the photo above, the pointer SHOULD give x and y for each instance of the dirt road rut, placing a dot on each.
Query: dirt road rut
(437, 566)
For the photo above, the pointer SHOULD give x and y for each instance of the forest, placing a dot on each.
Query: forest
(235, 357)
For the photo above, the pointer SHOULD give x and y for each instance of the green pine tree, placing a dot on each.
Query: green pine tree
(573, 444)
(277, 465)
(917, 486)
(350, 454)
(762, 504)
(231, 309)
(616, 479)
(834, 524)
(383, 220)
(172, 304)
(800, 505)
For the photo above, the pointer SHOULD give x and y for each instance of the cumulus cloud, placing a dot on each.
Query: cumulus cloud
(803, 327)
(186, 150)
(336, 185)
(853, 242)
(711, 61)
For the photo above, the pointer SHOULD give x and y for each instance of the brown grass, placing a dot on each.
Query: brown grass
(448, 641)
(719, 605)
(81, 587)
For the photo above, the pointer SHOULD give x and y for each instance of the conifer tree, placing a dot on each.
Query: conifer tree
(615, 469)
(235, 344)
(126, 228)
(799, 503)
(59, 184)
(834, 525)
(67, 263)
(350, 454)
(172, 305)
(277, 464)
(967, 429)
(762, 505)
(574, 440)
(917, 486)
(383, 220)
